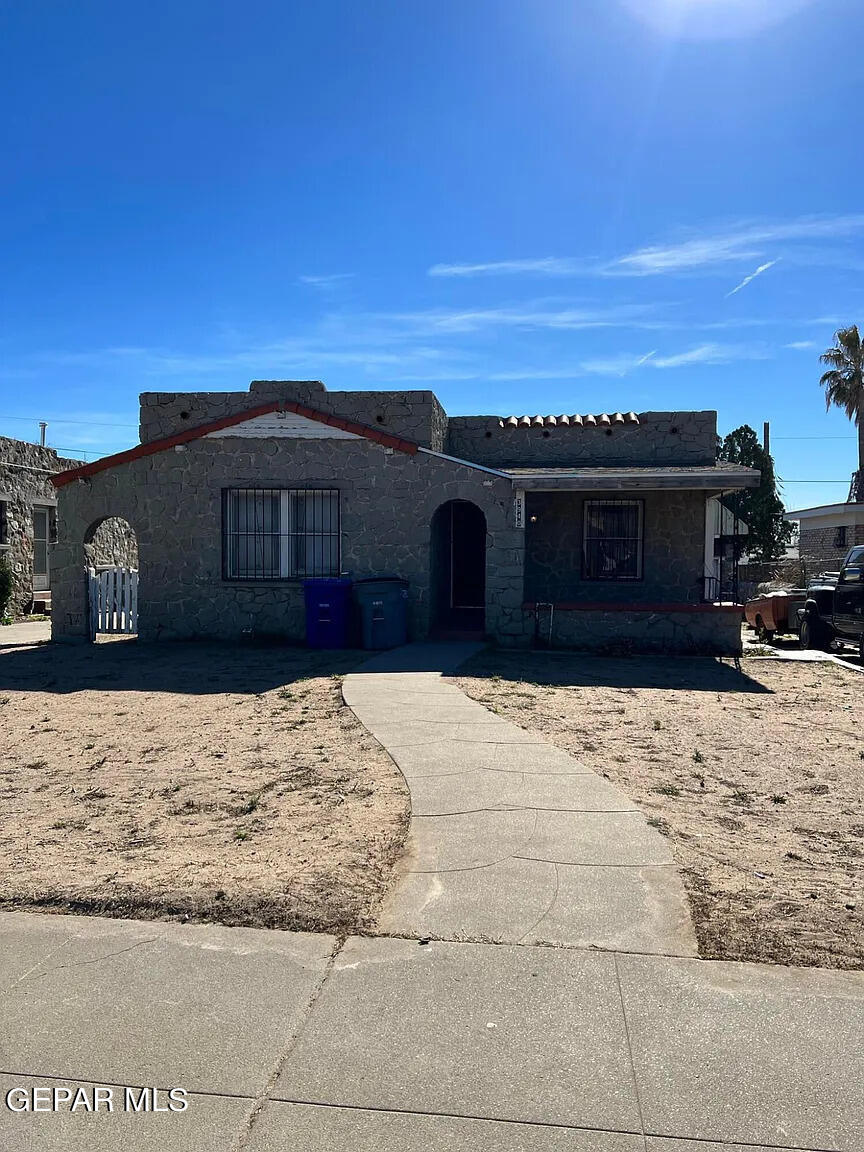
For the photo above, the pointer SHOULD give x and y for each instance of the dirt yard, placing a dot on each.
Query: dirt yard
(757, 778)
(210, 781)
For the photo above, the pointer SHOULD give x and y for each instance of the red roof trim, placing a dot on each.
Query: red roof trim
(616, 606)
(200, 430)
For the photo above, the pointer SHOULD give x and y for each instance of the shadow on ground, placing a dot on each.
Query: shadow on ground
(578, 669)
(198, 668)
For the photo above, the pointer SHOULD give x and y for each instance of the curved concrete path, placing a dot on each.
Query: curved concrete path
(511, 840)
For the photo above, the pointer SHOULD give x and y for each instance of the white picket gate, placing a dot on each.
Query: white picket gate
(113, 599)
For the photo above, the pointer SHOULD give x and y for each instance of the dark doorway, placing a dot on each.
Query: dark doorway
(458, 569)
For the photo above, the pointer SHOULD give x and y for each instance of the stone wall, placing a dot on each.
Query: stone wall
(709, 631)
(673, 553)
(658, 438)
(820, 553)
(113, 545)
(25, 481)
(415, 416)
(173, 499)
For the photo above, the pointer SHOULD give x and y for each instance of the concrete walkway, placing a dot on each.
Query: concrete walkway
(511, 839)
(25, 633)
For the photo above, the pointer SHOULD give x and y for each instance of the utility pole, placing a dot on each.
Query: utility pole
(766, 437)
(42, 426)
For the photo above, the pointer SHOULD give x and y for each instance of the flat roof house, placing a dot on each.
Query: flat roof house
(579, 530)
(827, 532)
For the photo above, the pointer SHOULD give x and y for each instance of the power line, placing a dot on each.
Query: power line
(57, 420)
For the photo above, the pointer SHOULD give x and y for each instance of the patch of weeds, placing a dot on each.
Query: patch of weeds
(37, 764)
(742, 797)
(656, 725)
(777, 798)
(58, 824)
(285, 694)
(170, 790)
(757, 650)
(698, 758)
(247, 808)
(660, 824)
(4, 699)
(667, 790)
(242, 833)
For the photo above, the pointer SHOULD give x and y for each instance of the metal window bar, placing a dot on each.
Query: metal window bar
(612, 539)
(280, 533)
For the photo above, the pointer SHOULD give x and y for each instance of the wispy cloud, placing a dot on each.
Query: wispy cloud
(749, 279)
(531, 314)
(326, 281)
(702, 250)
(710, 354)
(732, 244)
(801, 345)
(539, 266)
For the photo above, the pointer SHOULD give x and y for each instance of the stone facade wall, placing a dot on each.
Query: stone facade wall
(415, 416)
(25, 481)
(173, 500)
(714, 632)
(820, 553)
(113, 545)
(658, 438)
(673, 554)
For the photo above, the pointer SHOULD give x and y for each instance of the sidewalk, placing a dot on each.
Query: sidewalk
(286, 1041)
(596, 1041)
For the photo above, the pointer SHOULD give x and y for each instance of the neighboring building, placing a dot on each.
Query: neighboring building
(27, 519)
(28, 524)
(725, 541)
(827, 532)
(579, 530)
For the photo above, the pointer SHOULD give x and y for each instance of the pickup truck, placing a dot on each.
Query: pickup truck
(834, 608)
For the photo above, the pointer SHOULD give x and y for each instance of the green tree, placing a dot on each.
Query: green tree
(844, 387)
(760, 508)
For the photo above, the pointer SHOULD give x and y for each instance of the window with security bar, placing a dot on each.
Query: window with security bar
(280, 533)
(612, 539)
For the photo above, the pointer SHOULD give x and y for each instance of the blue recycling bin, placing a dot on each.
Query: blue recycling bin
(383, 605)
(327, 612)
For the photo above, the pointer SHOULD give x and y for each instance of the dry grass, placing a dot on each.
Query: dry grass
(209, 781)
(756, 777)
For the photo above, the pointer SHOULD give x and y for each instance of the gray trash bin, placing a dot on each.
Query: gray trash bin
(383, 605)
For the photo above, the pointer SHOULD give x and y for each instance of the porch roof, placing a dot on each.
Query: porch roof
(717, 477)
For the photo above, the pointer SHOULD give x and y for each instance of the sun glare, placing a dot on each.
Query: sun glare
(713, 19)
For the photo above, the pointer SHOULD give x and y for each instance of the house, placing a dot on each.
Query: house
(28, 529)
(725, 540)
(826, 533)
(577, 530)
(27, 520)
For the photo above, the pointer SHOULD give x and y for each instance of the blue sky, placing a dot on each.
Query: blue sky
(525, 205)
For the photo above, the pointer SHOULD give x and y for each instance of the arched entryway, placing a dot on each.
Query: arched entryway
(458, 568)
(111, 562)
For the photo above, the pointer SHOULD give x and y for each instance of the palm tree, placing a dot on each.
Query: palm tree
(844, 387)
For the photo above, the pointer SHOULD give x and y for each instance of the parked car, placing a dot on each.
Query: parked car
(775, 612)
(834, 608)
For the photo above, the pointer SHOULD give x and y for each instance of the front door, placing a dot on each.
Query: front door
(41, 538)
(459, 567)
